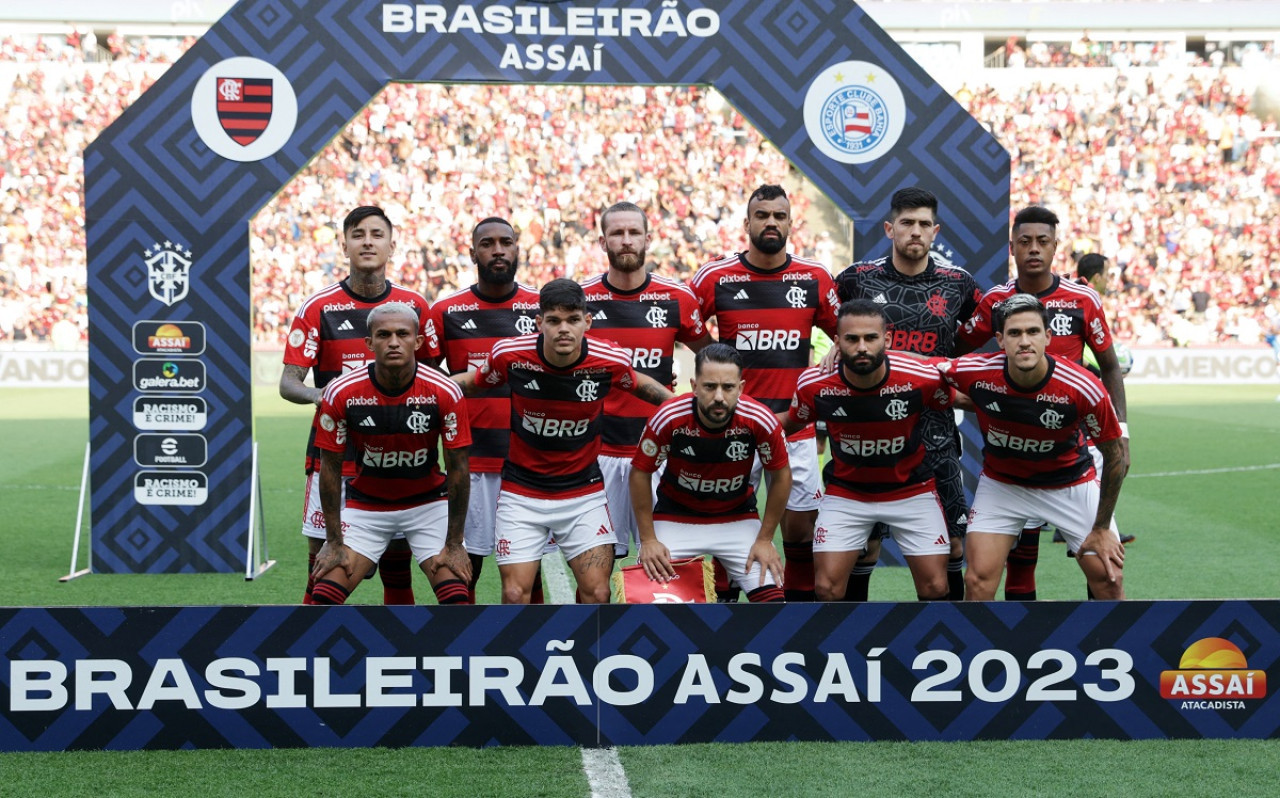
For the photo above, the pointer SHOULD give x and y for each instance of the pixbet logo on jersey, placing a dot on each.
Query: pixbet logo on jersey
(1213, 674)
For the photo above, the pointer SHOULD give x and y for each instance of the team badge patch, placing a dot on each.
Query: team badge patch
(244, 109)
(854, 112)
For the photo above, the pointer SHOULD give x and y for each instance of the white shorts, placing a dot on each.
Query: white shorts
(806, 476)
(482, 514)
(728, 542)
(369, 532)
(1096, 454)
(1002, 509)
(919, 527)
(312, 515)
(617, 491)
(576, 525)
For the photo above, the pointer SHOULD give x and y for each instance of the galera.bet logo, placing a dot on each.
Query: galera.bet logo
(1213, 674)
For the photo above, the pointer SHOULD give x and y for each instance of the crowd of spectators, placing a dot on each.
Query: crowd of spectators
(1171, 176)
(1084, 51)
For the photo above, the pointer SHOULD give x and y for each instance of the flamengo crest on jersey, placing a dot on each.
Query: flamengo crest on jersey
(393, 437)
(647, 321)
(328, 336)
(708, 475)
(1036, 437)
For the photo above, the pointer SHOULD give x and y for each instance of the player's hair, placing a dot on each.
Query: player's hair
(1018, 303)
(910, 198)
(561, 294)
(717, 353)
(622, 207)
(861, 307)
(766, 192)
(391, 309)
(1089, 265)
(489, 220)
(360, 214)
(1035, 214)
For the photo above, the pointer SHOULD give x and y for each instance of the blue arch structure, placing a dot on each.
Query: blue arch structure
(171, 186)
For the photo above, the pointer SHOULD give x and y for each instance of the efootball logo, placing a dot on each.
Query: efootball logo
(1213, 674)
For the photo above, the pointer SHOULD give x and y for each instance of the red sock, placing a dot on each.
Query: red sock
(797, 571)
(726, 591)
(768, 594)
(1020, 568)
(326, 592)
(452, 591)
(311, 580)
(397, 579)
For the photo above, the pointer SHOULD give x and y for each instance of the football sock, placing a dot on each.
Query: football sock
(329, 593)
(477, 565)
(536, 597)
(860, 581)
(397, 579)
(767, 594)
(955, 578)
(1020, 569)
(797, 571)
(311, 580)
(452, 591)
(726, 591)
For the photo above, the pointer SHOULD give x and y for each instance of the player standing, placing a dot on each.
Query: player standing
(766, 304)
(327, 337)
(1036, 412)
(874, 405)
(392, 414)
(706, 503)
(646, 313)
(1076, 322)
(925, 300)
(470, 322)
(551, 482)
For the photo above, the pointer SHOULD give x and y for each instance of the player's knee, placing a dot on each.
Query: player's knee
(598, 594)
(515, 594)
(1103, 590)
(933, 589)
(828, 589)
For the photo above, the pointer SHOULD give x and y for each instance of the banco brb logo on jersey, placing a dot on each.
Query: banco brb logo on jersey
(854, 112)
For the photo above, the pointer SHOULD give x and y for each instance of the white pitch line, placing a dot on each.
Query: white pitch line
(1199, 471)
(602, 766)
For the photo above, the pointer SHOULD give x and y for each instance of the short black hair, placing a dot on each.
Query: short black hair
(1090, 264)
(861, 307)
(717, 353)
(1018, 303)
(623, 207)
(561, 294)
(360, 214)
(1035, 214)
(910, 198)
(766, 192)
(489, 220)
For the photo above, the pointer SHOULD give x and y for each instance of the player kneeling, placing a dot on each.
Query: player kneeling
(392, 413)
(705, 501)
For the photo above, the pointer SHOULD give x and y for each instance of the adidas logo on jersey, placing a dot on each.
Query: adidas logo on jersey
(599, 316)
(689, 451)
(839, 411)
(994, 407)
(346, 325)
(470, 325)
(880, 299)
(742, 294)
(942, 541)
(368, 422)
(533, 385)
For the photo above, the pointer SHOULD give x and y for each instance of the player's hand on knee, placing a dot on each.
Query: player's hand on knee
(765, 554)
(1108, 548)
(656, 560)
(330, 558)
(453, 557)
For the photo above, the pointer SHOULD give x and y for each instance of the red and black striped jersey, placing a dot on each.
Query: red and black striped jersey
(327, 336)
(876, 434)
(769, 317)
(1035, 437)
(708, 475)
(1076, 318)
(393, 435)
(648, 321)
(469, 325)
(556, 413)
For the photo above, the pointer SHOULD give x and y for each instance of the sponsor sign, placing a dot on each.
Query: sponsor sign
(44, 369)
(1203, 366)
(170, 413)
(170, 450)
(180, 488)
(168, 374)
(151, 337)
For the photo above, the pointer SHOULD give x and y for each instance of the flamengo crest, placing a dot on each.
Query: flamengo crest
(168, 271)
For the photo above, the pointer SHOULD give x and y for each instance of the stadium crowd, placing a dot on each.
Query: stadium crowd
(1168, 172)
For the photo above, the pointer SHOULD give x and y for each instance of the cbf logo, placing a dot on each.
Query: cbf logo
(525, 325)
(657, 316)
(168, 271)
(854, 112)
(1060, 324)
(797, 297)
(244, 109)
